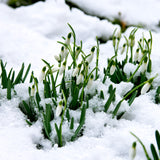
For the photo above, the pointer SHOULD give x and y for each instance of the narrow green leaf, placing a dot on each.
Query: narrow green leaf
(19, 76)
(9, 86)
(110, 99)
(116, 109)
(26, 74)
(154, 153)
(4, 79)
(133, 96)
(67, 115)
(157, 135)
(72, 123)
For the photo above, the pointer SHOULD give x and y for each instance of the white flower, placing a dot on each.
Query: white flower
(68, 39)
(123, 49)
(62, 56)
(57, 57)
(90, 57)
(140, 56)
(112, 69)
(79, 78)
(42, 74)
(145, 88)
(32, 90)
(59, 109)
(143, 67)
(90, 82)
(136, 55)
(76, 70)
(55, 69)
(63, 67)
(132, 153)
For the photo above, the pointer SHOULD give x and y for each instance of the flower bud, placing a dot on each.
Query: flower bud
(145, 88)
(123, 49)
(68, 39)
(32, 90)
(59, 109)
(63, 67)
(132, 153)
(90, 57)
(80, 78)
(136, 55)
(144, 65)
(112, 69)
(90, 82)
(42, 74)
(76, 70)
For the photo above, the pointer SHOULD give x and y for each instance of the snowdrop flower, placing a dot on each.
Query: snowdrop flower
(63, 67)
(113, 68)
(32, 90)
(62, 56)
(42, 74)
(59, 109)
(123, 49)
(76, 70)
(78, 49)
(144, 65)
(136, 55)
(80, 78)
(132, 153)
(57, 58)
(140, 56)
(145, 88)
(90, 82)
(90, 57)
(55, 69)
(68, 39)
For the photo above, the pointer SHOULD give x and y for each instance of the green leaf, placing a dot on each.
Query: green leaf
(72, 123)
(9, 86)
(154, 153)
(47, 90)
(133, 96)
(110, 99)
(67, 115)
(116, 109)
(19, 76)
(26, 74)
(157, 135)
(4, 79)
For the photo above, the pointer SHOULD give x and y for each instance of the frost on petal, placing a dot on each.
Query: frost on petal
(58, 110)
(112, 69)
(145, 88)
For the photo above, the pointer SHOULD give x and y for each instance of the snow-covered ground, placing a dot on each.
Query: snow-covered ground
(29, 34)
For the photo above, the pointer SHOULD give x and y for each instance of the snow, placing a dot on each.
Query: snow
(29, 34)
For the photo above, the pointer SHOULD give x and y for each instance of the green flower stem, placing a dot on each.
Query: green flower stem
(97, 58)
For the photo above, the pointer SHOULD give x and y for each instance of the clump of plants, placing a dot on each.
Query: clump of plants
(61, 96)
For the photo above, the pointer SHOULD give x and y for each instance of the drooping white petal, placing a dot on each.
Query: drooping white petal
(132, 153)
(145, 88)
(55, 69)
(79, 79)
(57, 58)
(140, 56)
(89, 84)
(112, 69)
(143, 67)
(90, 57)
(58, 110)
(75, 72)
(63, 67)
(32, 90)
(42, 74)
(136, 56)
